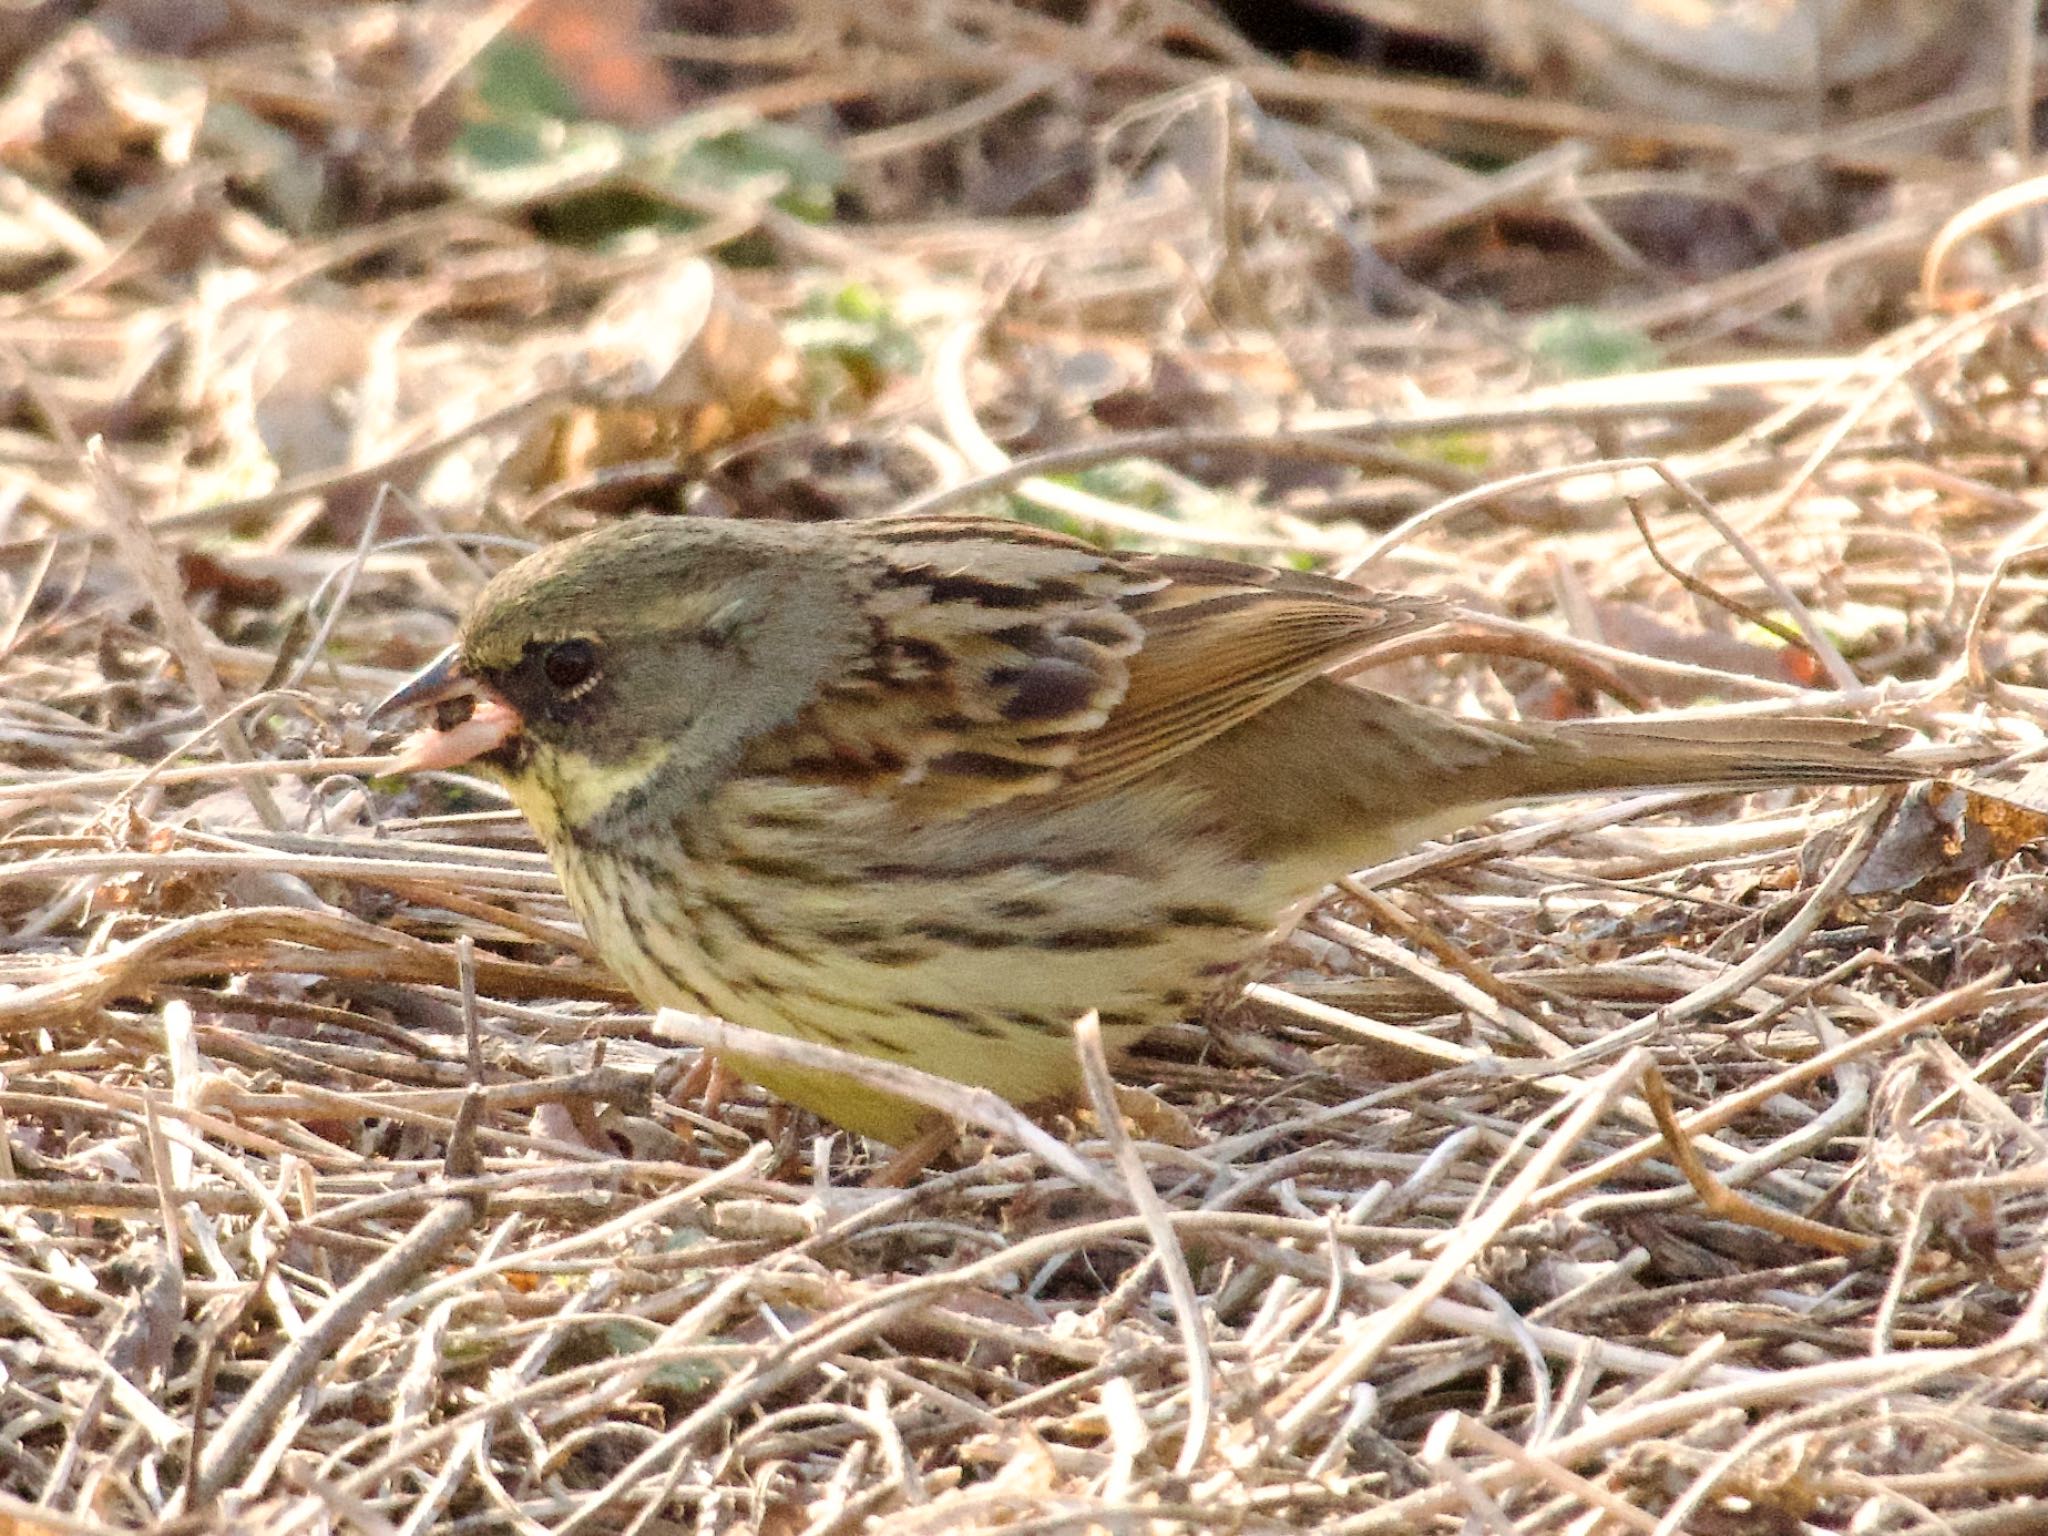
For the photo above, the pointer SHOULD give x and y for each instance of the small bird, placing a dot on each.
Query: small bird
(931, 788)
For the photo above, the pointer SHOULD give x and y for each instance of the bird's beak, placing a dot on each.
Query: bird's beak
(491, 723)
(439, 680)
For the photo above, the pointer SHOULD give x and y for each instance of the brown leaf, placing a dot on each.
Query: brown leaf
(1946, 832)
(687, 368)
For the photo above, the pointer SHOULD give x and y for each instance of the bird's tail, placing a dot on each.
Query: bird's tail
(1345, 772)
(1738, 752)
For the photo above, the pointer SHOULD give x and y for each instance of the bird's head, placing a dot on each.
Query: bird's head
(620, 671)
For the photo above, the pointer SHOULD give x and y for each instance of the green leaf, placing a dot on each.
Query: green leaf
(851, 338)
(514, 78)
(523, 146)
(1582, 344)
(508, 163)
(796, 170)
(1461, 450)
(684, 1376)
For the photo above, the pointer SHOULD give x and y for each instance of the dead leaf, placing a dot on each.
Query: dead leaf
(688, 368)
(1946, 831)
(83, 112)
(1151, 1118)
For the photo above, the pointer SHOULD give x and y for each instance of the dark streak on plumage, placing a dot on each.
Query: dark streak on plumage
(757, 933)
(825, 1032)
(1079, 861)
(916, 531)
(965, 937)
(1100, 632)
(636, 924)
(776, 821)
(1037, 1023)
(963, 587)
(1022, 909)
(690, 837)
(1051, 688)
(986, 765)
(930, 657)
(834, 1000)
(776, 867)
(853, 931)
(1212, 915)
(1096, 938)
(934, 1011)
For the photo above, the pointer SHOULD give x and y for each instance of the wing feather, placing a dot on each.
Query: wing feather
(1224, 642)
(1008, 660)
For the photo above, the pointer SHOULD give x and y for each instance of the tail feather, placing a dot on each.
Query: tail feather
(1454, 761)
(1738, 752)
(1335, 772)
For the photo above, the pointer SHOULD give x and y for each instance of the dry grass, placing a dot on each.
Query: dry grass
(341, 1189)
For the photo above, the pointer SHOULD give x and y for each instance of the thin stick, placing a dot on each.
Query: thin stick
(1493, 490)
(1522, 645)
(74, 1354)
(1817, 641)
(183, 636)
(1486, 1438)
(1702, 589)
(965, 432)
(229, 1448)
(1725, 1111)
(1301, 1403)
(1173, 1264)
(1805, 1384)
(1724, 1202)
(1923, 349)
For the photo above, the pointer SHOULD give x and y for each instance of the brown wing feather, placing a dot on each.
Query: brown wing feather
(1222, 643)
(1008, 660)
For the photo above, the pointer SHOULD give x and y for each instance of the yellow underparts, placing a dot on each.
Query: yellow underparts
(559, 790)
(701, 933)
(860, 1109)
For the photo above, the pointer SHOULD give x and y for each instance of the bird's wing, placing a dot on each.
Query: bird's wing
(1224, 641)
(1007, 660)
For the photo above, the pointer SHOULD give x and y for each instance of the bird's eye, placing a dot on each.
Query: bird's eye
(569, 665)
